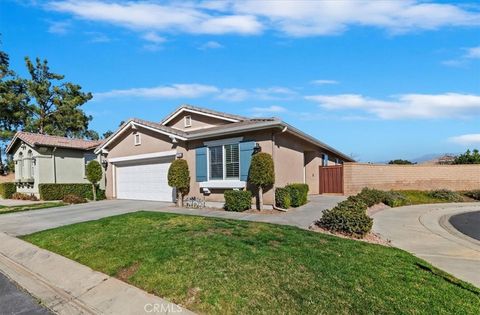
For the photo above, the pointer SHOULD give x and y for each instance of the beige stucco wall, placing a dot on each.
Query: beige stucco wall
(198, 122)
(68, 165)
(410, 177)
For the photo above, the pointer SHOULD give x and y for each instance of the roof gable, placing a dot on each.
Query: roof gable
(201, 111)
(36, 139)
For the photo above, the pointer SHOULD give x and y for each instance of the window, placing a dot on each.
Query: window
(87, 157)
(224, 162)
(20, 165)
(136, 139)
(187, 121)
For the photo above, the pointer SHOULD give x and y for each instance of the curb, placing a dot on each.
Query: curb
(67, 287)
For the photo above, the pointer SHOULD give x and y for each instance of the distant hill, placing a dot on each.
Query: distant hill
(431, 158)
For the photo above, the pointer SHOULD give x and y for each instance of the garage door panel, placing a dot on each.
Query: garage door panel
(144, 181)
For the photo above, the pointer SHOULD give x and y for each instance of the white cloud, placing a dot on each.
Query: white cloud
(469, 54)
(323, 82)
(171, 16)
(153, 37)
(405, 106)
(166, 91)
(274, 109)
(233, 95)
(468, 139)
(58, 27)
(274, 93)
(473, 53)
(210, 45)
(291, 17)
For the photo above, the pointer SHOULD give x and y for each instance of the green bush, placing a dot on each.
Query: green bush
(101, 194)
(237, 200)
(59, 191)
(282, 198)
(7, 190)
(445, 194)
(348, 217)
(261, 174)
(371, 197)
(395, 199)
(474, 194)
(74, 199)
(298, 194)
(94, 175)
(179, 178)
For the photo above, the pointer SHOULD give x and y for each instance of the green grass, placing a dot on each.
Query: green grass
(224, 266)
(35, 206)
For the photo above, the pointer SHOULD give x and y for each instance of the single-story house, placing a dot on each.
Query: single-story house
(218, 148)
(43, 159)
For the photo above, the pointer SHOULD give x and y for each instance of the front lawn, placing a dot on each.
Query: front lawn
(34, 206)
(224, 266)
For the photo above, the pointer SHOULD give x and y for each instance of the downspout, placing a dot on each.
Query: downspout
(54, 166)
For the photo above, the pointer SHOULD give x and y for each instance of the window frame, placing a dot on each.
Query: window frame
(189, 119)
(224, 162)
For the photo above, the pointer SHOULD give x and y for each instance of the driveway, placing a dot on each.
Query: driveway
(425, 231)
(28, 222)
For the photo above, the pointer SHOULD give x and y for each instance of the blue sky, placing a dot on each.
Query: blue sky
(379, 80)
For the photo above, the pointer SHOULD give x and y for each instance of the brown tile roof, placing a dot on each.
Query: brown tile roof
(36, 139)
(206, 111)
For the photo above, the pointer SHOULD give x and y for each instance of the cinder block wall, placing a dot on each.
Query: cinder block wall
(410, 177)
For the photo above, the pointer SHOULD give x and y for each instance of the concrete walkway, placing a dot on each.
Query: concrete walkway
(67, 287)
(424, 231)
(23, 223)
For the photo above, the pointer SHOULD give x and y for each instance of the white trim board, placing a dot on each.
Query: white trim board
(143, 156)
(199, 113)
(223, 184)
(134, 124)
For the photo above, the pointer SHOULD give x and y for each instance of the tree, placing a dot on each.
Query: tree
(262, 174)
(179, 178)
(107, 134)
(401, 162)
(94, 175)
(55, 107)
(13, 99)
(469, 157)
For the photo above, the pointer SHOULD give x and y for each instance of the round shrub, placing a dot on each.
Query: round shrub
(237, 200)
(74, 199)
(348, 217)
(179, 178)
(298, 194)
(94, 175)
(371, 196)
(261, 174)
(282, 198)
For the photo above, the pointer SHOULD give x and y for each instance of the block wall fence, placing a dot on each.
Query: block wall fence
(410, 177)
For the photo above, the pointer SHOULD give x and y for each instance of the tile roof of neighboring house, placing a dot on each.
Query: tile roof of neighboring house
(202, 110)
(35, 139)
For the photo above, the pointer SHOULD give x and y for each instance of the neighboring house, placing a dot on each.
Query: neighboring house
(43, 159)
(218, 148)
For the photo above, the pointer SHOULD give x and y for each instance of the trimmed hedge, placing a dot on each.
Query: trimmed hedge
(298, 194)
(348, 217)
(7, 190)
(282, 198)
(59, 191)
(237, 200)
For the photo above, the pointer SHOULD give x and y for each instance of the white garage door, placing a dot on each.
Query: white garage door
(144, 180)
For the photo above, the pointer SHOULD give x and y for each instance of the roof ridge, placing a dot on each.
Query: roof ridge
(55, 136)
(203, 110)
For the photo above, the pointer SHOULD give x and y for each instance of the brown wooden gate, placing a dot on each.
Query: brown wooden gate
(331, 179)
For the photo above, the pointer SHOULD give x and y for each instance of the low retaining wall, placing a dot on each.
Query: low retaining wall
(410, 177)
